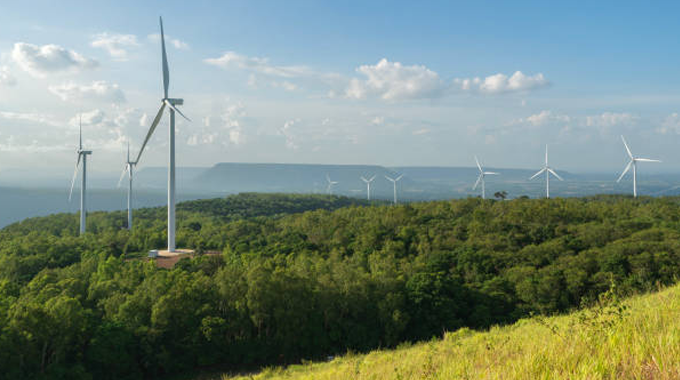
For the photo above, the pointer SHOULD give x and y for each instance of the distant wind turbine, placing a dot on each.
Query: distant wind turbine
(329, 189)
(82, 154)
(482, 174)
(394, 184)
(171, 103)
(129, 165)
(368, 186)
(548, 171)
(633, 162)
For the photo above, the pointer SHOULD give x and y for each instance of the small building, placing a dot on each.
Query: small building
(153, 253)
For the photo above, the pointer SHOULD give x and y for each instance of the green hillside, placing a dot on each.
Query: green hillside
(304, 277)
(635, 339)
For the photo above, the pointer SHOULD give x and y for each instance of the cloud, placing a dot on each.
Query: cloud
(96, 91)
(6, 79)
(29, 117)
(545, 117)
(610, 119)
(174, 42)
(231, 59)
(378, 120)
(501, 83)
(39, 61)
(419, 132)
(394, 81)
(229, 132)
(94, 117)
(115, 44)
(670, 125)
(287, 132)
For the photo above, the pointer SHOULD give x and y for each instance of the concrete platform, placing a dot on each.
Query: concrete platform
(178, 252)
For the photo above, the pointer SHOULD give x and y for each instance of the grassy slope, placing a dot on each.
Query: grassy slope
(635, 339)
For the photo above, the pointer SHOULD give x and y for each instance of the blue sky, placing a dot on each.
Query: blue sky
(383, 82)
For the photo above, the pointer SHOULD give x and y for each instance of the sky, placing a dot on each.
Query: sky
(352, 82)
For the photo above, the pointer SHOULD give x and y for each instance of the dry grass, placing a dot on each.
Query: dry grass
(637, 339)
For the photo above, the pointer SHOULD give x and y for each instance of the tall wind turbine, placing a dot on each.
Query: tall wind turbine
(171, 103)
(368, 186)
(82, 154)
(394, 184)
(548, 171)
(633, 162)
(329, 189)
(482, 174)
(128, 169)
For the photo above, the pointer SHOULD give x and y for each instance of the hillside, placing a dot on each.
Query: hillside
(638, 338)
(303, 277)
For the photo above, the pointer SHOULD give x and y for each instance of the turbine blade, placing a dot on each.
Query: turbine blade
(491, 173)
(398, 178)
(166, 71)
(372, 178)
(390, 179)
(364, 179)
(73, 181)
(479, 179)
(80, 133)
(630, 154)
(646, 160)
(546, 154)
(479, 166)
(537, 174)
(555, 174)
(176, 110)
(328, 178)
(154, 124)
(630, 163)
(122, 175)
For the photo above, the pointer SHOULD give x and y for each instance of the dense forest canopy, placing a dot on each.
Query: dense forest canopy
(308, 276)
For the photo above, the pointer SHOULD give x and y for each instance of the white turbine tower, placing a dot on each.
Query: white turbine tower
(633, 162)
(548, 171)
(482, 174)
(329, 189)
(368, 186)
(171, 103)
(129, 165)
(394, 184)
(82, 154)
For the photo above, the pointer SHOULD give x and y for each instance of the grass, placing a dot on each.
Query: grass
(638, 338)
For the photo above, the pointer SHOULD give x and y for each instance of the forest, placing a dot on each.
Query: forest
(302, 277)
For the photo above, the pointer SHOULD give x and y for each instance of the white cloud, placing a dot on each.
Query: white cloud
(545, 117)
(6, 79)
(394, 81)
(257, 65)
(378, 120)
(143, 120)
(610, 119)
(42, 60)
(174, 42)
(94, 117)
(419, 132)
(501, 83)
(287, 132)
(671, 124)
(29, 117)
(115, 44)
(96, 91)
(229, 132)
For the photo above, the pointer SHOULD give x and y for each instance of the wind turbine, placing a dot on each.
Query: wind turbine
(128, 169)
(633, 162)
(548, 171)
(394, 183)
(368, 186)
(171, 103)
(329, 189)
(482, 174)
(82, 154)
